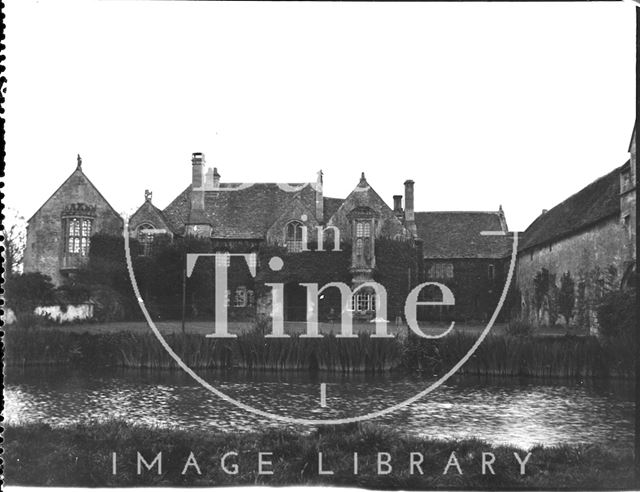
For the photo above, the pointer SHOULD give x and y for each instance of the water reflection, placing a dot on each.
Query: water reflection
(520, 412)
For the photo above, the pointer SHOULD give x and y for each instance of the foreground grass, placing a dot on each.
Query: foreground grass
(81, 455)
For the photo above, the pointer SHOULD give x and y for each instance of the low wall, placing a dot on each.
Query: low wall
(67, 313)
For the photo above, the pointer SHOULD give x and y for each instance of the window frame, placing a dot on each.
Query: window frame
(78, 231)
(292, 242)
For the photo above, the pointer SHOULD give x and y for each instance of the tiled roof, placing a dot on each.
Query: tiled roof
(593, 203)
(240, 213)
(331, 205)
(457, 235)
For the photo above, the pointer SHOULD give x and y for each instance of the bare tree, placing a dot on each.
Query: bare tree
(14, 235)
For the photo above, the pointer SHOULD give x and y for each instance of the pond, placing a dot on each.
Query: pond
(498, 410)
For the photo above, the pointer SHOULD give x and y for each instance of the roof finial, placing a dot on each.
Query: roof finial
(500, 208)
(363, 181)
(147, 195)
(79, 162)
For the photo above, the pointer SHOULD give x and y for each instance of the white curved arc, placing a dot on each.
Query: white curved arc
(442, 335)
(299, 421)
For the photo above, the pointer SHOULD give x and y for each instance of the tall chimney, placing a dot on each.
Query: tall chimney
(409, 215)
(397, 203)
(397, 206)
(319, 199)
(197, 181)
(208, 179)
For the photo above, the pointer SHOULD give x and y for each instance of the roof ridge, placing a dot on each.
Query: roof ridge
(592, 183)
(459, 212)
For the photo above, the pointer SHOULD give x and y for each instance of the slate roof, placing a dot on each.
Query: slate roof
(240, 213)
(453, 235)
(597, 201)
(331, 205)
(148, 207)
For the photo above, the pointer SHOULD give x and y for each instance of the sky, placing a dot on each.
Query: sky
(481, 104)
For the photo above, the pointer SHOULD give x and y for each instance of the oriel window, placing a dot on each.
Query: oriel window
(78, 236)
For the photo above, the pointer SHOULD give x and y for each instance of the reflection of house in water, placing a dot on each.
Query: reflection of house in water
(586, 245)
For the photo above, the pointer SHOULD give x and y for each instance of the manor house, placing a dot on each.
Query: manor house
(447, 247)
(582, 248)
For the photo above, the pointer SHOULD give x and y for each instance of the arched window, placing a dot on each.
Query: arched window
(145, 238)
(293, 236)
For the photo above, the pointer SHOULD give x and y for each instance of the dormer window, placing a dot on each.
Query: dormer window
(293, 236)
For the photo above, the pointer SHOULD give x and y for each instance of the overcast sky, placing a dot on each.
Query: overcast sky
(481, 104)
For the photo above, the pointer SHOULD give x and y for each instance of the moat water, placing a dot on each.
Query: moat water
(521, 412)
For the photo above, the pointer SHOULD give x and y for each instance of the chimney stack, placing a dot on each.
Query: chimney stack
(409, 215)
(397, 203)
(197, 181)
(397, 206)
(208, 180)
(216, 178)
(319, 199)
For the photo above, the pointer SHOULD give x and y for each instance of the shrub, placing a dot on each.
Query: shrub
(617, 314)
(109, 304)
(24, 292)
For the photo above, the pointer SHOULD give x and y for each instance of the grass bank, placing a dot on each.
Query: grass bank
(501, 355)
(81, 455)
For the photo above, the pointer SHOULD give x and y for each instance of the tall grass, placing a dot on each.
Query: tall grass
(539, 356)
(567, 357)
(248, 351)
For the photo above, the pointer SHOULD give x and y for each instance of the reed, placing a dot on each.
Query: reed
(534, 356)
(498, 355)
(249, 351)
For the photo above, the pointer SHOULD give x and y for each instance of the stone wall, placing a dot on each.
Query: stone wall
(63, 314)
(476, 294)
(45, 237)
(595, 261)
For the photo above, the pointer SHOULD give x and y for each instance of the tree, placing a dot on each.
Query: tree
(566, 297)
(25, 291)
(14, 239)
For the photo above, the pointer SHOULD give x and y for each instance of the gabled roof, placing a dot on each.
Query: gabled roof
(77, 172)
(597, 201)
(455, 235)
(149, 209)
(237, 211)
(363, 195)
